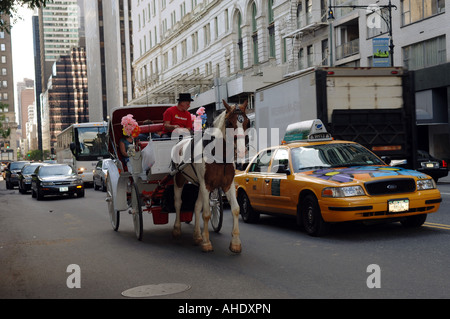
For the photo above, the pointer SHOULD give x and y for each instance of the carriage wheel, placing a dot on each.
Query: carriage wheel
(136, 206)
(216, 204)
(114, 215)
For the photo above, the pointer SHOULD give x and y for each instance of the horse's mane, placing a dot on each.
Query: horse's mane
(219, 122)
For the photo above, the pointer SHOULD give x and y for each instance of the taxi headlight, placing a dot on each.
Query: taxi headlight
(348, 191)
(425, 184)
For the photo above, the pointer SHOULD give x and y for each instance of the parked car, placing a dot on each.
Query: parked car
(56, 179)
(25, 176)
(427, 164)
(11, 173)
(432, 166)
(322, 181)
(100, 173)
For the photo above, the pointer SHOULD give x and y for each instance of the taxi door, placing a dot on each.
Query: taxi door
(254, 180)
(277, 183)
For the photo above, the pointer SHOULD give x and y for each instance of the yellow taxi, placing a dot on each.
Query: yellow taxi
(323, 181)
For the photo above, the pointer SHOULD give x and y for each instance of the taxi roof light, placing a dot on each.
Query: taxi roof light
(312, 130)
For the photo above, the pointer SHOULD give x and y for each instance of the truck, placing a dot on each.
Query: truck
(374, 107)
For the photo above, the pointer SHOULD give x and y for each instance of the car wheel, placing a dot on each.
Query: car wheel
(39, 195)
(249, 215)
(8, 185)
(103, 187)
(80, 194)
(95, 186)
(33, 193)
(414, 221)
(312, 218)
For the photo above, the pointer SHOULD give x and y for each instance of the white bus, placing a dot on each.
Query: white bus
(82, 146)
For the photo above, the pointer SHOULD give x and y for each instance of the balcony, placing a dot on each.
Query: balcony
(347, 49)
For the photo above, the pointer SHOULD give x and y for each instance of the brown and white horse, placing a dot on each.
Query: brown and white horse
(212, 172)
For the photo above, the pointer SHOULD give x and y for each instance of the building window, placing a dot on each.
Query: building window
(255, 34)
(299, 14)
(325, 52)
(308, 7)
(227, 23)
(310, 56)
(271, 30)
(425, 54)
(207, 34)
(240, 42)
(300, 59)
(416, 10)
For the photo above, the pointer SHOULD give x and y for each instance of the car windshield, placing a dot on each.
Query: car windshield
(29, 169)
(55, 170)
(17, 165)
(332, 155)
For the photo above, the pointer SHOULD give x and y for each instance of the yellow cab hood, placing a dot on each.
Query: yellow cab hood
(360, 173)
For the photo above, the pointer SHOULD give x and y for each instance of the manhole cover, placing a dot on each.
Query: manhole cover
(155, 290)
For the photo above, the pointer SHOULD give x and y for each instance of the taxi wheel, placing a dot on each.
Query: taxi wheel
(247, 212)
(414, 221)
(312, 218)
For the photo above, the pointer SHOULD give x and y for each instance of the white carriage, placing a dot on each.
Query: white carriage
(136, 188)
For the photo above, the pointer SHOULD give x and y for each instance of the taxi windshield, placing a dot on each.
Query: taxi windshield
(332, 155)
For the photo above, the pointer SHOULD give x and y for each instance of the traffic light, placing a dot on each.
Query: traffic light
(7, 145)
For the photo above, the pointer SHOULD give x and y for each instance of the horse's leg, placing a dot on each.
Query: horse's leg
(204, 194)
(177, 190)
(197, 210)
(235, 244)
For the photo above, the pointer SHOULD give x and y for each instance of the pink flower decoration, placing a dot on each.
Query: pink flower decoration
(130, 126)
(200, 111)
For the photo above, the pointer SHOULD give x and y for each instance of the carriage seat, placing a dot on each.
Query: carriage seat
(151, 128)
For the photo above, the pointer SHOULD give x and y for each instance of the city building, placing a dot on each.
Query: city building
(8, 142)
(66, 99)
(63, 97)
(25, 97)
(228, 49)
(109, 55)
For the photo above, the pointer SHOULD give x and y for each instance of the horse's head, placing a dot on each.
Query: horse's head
(237, 120)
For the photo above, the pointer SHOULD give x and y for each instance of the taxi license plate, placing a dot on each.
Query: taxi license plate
(64, 189)
(398, 205)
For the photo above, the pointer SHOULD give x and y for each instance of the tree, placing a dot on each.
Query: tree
(10, 7)
(4, 133)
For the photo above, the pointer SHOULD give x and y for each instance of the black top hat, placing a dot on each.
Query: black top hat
(185, 97)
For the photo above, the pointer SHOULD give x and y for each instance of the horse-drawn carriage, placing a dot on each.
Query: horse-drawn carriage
(136, 188)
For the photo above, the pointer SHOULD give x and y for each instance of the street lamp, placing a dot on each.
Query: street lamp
(389, 6)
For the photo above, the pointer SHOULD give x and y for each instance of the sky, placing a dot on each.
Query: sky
(22, 48)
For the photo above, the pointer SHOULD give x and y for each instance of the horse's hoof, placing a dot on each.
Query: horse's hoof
(176, 233)
(236, 248)
(206, 248)
(198, 241)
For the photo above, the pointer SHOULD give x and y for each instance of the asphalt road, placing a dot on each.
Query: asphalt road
(47, 246)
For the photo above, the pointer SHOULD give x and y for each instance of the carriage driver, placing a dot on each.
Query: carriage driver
(178, 116)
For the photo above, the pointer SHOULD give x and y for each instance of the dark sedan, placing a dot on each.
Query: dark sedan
(11, 173)
(431, 166)
(25, 176)
(56, 179)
